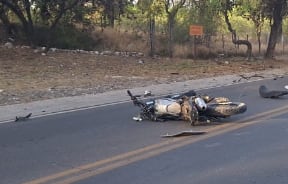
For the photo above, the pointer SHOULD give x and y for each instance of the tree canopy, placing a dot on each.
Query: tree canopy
(21, 17)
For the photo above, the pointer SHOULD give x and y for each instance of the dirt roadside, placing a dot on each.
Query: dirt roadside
(27, 75)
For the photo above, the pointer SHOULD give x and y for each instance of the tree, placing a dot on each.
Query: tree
(22, 9)
(276, 10)
(111, 10)
(10, 29)
(50, 10)
(151, 9)
(206, 14)
(171, 8)
(227, 6)
(251, 10)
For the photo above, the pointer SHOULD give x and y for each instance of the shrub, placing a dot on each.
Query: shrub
(65, 37)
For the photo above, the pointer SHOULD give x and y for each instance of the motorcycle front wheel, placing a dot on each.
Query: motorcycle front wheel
(194, 116)
(225, 109)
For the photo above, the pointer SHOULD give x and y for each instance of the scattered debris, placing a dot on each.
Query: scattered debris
(184, 133)
(140, 61)
(249, 77)
(23, 118)
(137, 119)
(277, 77)
(147, 93)
(174, 73)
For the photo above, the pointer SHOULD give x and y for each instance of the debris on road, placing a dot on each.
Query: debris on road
(23, 118)
(184, 133)
(266, 93)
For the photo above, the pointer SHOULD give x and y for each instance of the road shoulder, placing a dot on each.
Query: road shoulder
(66, 104)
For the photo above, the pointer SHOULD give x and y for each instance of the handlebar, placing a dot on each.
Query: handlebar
(135, 100)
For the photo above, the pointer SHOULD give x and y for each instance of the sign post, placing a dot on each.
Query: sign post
(195, 30)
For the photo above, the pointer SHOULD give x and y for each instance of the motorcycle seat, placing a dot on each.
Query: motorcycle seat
(167, 106)
(266, 93)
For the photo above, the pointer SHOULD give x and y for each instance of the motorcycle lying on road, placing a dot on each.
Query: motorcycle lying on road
(186, 106)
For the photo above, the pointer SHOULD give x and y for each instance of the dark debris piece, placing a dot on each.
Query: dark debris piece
(23, 118)
(249, 77)
(266, 93)
(184, 133)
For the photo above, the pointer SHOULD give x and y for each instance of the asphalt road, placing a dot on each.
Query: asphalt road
(104, 145)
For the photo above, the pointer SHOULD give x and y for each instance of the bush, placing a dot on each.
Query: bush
(64, 37)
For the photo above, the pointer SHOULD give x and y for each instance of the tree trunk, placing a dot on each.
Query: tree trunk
(259, 42)
(275, 29)
(152, 35)
(10, 29)
(258, 24)
(171, 20)
(170, 33)
(234, 36)
(27, 25)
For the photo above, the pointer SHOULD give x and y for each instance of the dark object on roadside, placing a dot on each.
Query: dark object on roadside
(23, 118)
(184, 133)
(266, 93)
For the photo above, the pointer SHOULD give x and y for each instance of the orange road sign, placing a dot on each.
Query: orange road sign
(196, 30)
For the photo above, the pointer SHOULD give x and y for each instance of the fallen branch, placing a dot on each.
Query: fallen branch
(249, 77)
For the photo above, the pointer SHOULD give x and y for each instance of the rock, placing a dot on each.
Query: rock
(25, 47)
(140, 61)
(11, 39)
(107, 53)
(117, 53)
(53, 49)
(8, 45)
(140, 54)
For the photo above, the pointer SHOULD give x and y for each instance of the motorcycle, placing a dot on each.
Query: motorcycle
(186, 106)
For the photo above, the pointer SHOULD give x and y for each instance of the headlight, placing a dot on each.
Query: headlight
(200, 103)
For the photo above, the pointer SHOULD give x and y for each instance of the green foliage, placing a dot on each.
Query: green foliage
(65, 37)
(55, 21)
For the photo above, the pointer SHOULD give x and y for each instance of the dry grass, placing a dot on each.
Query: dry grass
(22, 69)
(121, 40)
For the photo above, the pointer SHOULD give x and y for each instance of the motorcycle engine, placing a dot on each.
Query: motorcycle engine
(200, 104)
